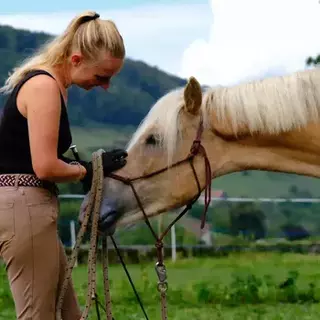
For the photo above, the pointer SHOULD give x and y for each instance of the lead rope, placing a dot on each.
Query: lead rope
(92, 211)
(106, 278)
(93, 208)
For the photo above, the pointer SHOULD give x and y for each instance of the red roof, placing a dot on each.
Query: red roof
(218, 193)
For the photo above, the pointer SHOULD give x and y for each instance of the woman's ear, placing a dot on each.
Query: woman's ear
(76, 59)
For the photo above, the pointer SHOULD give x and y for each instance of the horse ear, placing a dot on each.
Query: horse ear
(193, 96)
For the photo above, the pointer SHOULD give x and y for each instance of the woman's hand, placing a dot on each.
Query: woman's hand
(111, 161)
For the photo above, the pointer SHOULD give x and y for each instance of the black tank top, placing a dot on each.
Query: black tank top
(15, 155)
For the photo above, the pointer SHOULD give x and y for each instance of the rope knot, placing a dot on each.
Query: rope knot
(159, 244)
(195, 147)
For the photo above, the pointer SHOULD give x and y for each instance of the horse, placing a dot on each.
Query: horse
(270, 124)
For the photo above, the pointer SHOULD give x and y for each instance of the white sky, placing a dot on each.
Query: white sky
(250, 39)
(221, 42)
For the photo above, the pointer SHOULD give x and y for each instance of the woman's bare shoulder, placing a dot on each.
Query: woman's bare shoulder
(42, 84)
(37, 92)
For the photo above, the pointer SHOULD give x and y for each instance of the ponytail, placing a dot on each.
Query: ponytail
(86, 33)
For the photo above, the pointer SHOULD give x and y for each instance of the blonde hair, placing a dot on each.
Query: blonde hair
(86, 33)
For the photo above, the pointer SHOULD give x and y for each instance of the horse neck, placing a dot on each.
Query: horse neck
(296, 151)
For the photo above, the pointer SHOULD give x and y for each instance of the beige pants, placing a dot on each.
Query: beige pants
(33, 254)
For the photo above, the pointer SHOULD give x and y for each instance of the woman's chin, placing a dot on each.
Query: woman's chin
(85, 86)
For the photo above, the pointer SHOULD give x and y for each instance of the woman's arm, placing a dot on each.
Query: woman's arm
(43, 106)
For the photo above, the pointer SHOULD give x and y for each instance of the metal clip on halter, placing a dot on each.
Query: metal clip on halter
(162, 275)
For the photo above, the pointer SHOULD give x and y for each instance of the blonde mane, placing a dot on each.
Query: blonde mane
(271, 105)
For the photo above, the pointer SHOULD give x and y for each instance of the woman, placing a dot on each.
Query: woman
(34, 134)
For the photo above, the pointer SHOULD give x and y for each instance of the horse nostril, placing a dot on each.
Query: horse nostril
(107, 221)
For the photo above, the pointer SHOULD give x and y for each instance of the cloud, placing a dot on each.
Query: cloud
(218, 41)
(251, 39)
(156, 34)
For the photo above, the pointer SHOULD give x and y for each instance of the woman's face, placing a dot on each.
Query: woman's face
(89, 74)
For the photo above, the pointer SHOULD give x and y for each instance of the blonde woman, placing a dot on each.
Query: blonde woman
(34, 134)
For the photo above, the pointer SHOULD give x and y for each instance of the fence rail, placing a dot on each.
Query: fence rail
(227, 199)
(216, 237)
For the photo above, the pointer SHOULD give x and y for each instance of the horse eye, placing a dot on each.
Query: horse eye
(151, 140)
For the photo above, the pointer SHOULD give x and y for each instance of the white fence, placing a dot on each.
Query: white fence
(229, 199)
(200, 201)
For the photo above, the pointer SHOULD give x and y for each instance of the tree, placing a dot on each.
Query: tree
(313, 61)
(247, 220)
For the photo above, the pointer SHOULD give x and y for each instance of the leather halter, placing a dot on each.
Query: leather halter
(196, 149)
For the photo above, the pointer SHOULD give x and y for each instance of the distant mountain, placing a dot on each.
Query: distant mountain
(129, 98)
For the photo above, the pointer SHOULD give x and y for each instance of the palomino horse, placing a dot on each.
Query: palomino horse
(272, 124)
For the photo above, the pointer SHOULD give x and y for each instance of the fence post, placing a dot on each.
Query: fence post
(73, 237)
(173, 243)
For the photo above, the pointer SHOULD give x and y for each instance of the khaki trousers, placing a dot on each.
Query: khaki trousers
(33, 254)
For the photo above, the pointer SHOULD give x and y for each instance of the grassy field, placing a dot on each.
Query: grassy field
(238, 287)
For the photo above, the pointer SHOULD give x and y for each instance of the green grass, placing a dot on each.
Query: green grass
(241, 286)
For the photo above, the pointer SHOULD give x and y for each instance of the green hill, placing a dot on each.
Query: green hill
(128, 99)
(103, 120)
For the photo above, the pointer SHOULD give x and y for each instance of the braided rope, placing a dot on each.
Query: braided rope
(106, 278)
(92, 211)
